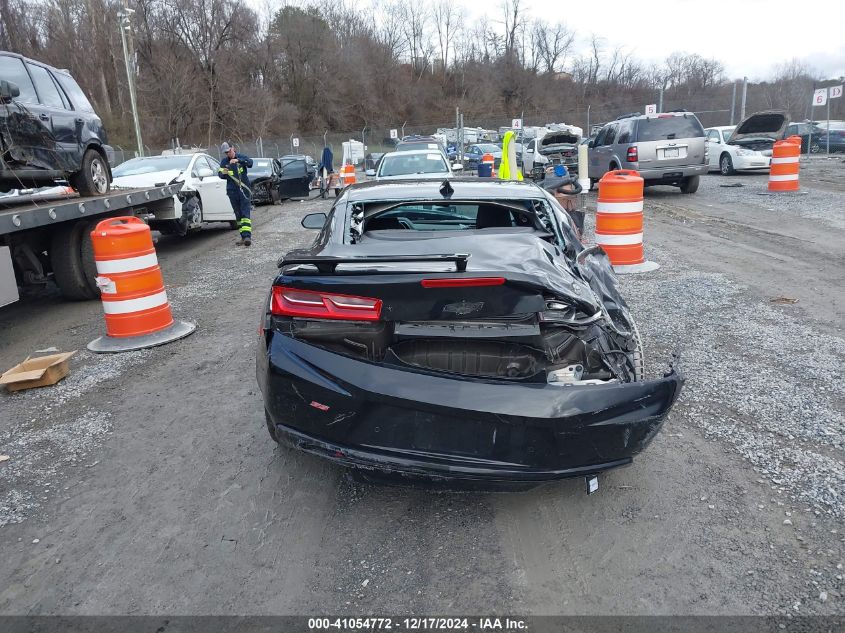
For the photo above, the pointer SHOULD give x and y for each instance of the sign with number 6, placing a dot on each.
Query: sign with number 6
(820, 97)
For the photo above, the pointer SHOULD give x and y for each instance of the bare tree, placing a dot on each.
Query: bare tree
(552, 44)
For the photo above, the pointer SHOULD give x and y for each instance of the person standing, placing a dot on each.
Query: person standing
(233, 169)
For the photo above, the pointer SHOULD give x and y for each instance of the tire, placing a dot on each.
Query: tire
(690, 184)
(726, 165)
(93, 179)
(639, 354)
(613, 167)
(271, 429)
(197, 217)
(815, 149)
(233, 225)
(72, 260)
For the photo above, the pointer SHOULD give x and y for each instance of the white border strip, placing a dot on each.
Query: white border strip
(776, 178)
(619, 207)
(785, 160)
(135, 305)
(619, 240)
(126, 265)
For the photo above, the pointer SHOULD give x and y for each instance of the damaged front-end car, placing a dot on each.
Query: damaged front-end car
(466, 335)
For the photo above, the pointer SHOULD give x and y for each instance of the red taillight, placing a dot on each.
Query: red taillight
(633, 154)
(462, 282)
(323, 305)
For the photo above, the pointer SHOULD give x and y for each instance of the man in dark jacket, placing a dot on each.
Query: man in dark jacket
(233, 169)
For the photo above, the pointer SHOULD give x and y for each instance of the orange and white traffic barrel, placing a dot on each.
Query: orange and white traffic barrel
(347, 174)
(135, 303)
(783, 174)
(619, 221)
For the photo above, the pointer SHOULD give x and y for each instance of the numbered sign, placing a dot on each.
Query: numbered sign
(295, 141)
(394, 133)
(835, 92)
(651, 108)
(820, 97)
(516, 124)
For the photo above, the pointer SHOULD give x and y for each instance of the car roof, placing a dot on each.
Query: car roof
(411, 152)
(63, 71)
(464, 188)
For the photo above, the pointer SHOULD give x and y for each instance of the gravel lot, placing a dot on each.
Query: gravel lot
(138, 469)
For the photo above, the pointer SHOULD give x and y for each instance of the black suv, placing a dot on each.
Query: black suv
(48, 130)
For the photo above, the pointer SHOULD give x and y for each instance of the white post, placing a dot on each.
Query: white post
(583, 169)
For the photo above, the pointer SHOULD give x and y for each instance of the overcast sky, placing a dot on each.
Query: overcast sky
(748, 36)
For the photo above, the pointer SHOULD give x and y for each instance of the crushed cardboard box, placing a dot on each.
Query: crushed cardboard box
(41, 371)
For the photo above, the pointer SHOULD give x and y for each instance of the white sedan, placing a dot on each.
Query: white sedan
(201, 199)
(416, 164)
(727, 158)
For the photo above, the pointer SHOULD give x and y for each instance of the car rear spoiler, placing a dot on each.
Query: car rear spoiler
(328, 264)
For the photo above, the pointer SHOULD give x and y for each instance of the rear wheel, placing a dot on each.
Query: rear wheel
(271, 428)
(233, 224)
(72, 260)
(93, 178)
(726, 165)
(639, 354)
(690, 185)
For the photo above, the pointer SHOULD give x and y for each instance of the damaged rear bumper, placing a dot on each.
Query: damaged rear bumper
(390, 419)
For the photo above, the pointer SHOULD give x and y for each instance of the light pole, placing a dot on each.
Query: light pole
(128, 48)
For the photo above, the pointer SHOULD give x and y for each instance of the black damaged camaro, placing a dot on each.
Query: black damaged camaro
(458, 330)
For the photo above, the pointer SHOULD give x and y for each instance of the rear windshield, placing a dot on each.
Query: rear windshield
(410, 164)
(668, 128)
(261, 167)
(415, 145)
(425, 216)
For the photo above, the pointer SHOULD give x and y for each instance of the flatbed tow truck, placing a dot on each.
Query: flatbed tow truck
(42, 237)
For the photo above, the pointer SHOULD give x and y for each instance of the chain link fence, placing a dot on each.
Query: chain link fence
(376, 139)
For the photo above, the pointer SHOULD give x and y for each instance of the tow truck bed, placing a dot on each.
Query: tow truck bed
(27, 212)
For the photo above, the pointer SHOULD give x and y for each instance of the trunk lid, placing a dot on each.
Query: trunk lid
(530, 266)
(668, 140)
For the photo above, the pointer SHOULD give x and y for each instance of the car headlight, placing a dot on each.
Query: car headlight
(745, 152)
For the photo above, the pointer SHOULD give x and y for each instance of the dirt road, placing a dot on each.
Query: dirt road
(151, 485)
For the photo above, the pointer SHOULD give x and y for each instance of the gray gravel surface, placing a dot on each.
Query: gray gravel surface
(151, 479)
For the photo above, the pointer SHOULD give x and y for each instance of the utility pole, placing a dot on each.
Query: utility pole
(125, 25)
(733, 102)
(744, 94)
(660, 100)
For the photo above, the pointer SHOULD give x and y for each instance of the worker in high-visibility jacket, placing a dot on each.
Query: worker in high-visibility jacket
(233, 169)
(508, 169)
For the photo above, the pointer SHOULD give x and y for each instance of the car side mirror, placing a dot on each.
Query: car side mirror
(9, 90)
(204, 172)
(370, 172)
(457, 167)
(591, 144)
(314, 221)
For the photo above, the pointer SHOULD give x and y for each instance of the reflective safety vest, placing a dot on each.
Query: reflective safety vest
(235, 175)
(508, 169)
